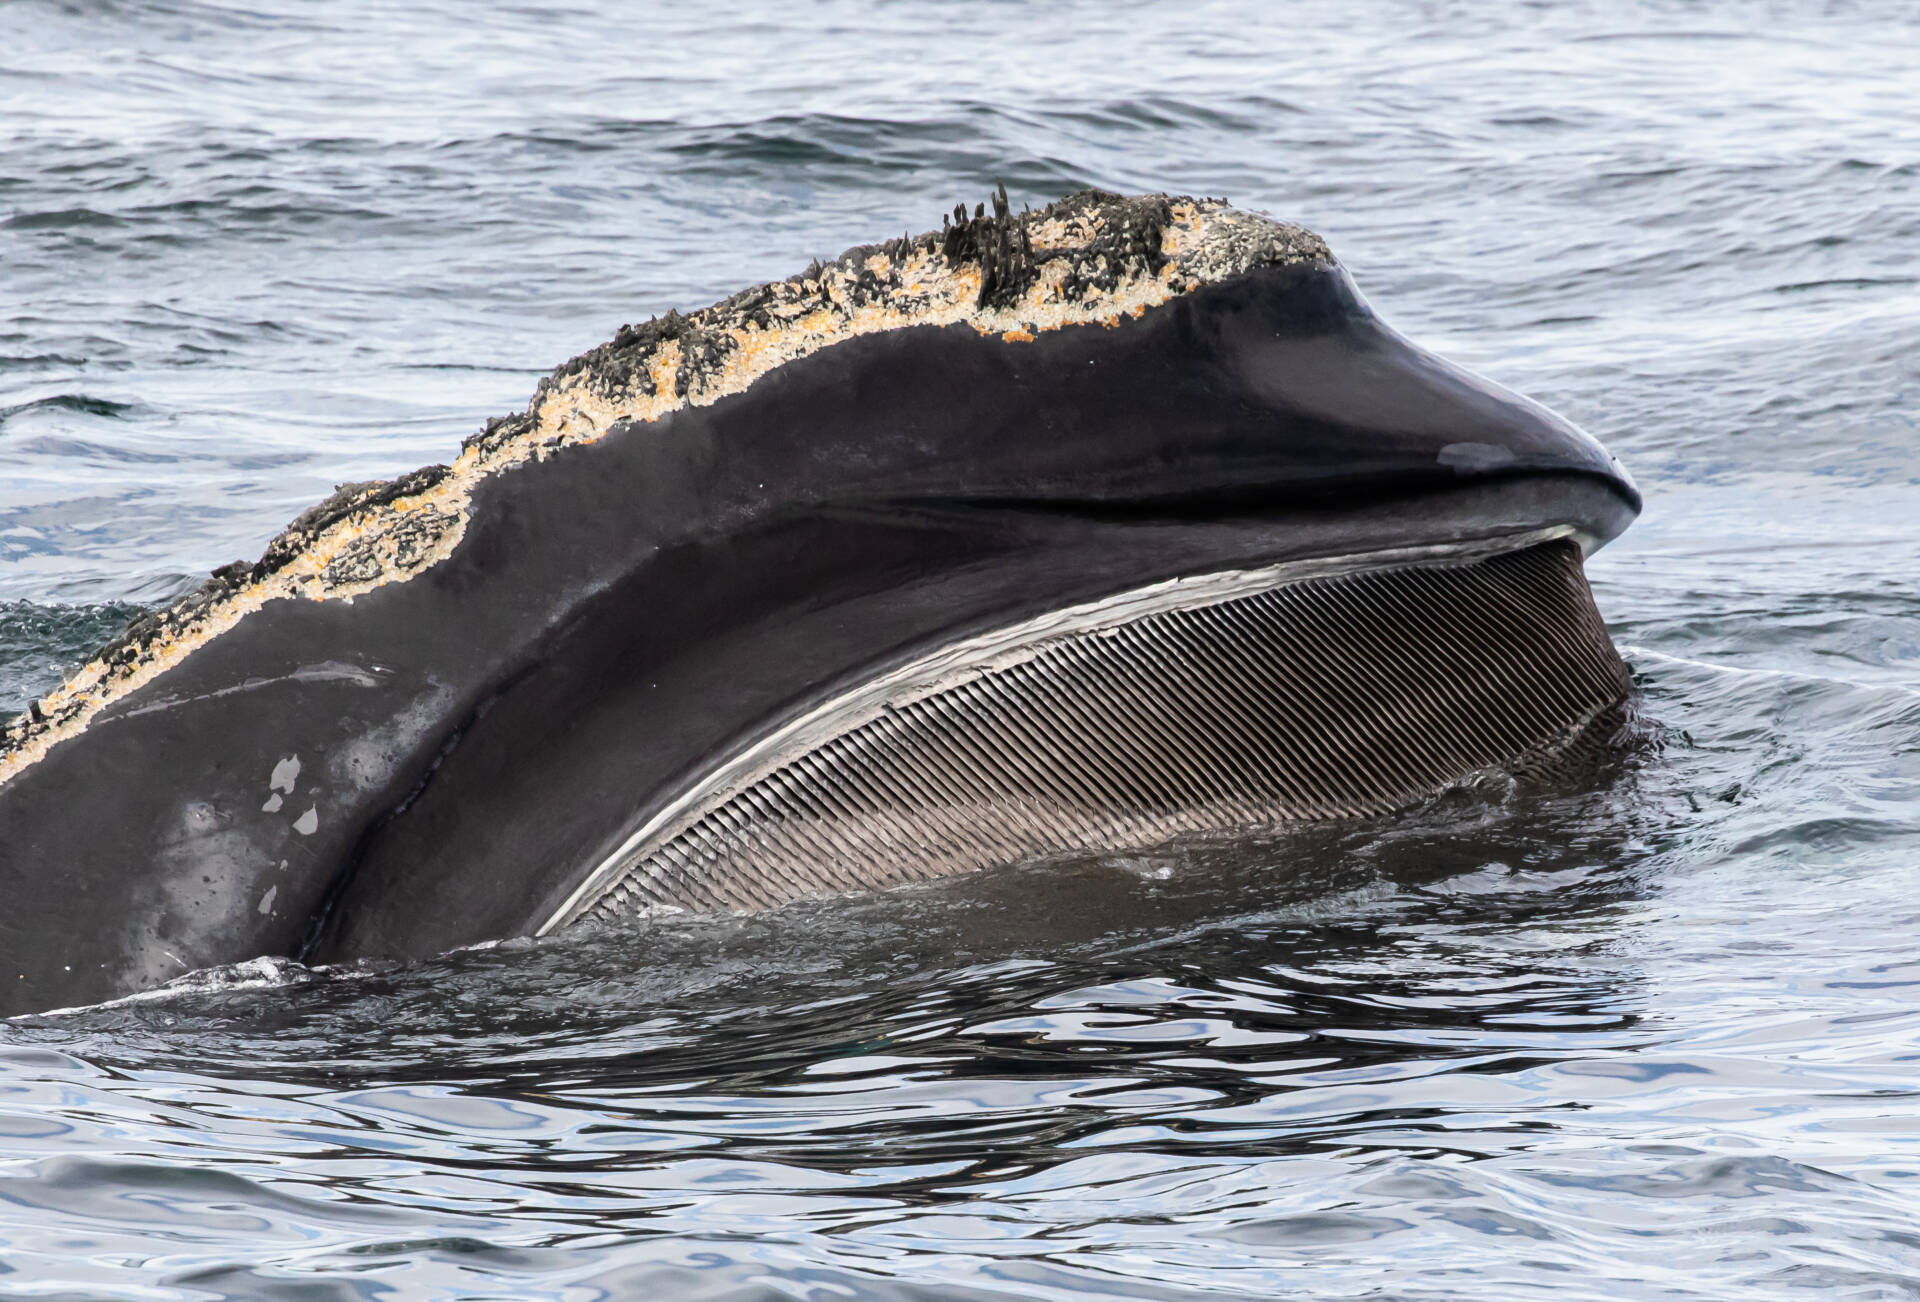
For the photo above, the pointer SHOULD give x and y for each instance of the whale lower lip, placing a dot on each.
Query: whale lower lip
(1120, 521)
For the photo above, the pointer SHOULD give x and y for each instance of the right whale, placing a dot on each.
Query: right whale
(1049, 532)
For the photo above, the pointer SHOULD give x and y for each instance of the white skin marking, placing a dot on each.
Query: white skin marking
(266, 901)
(308, 823)
(285, 774)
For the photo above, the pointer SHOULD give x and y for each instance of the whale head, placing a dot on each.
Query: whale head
(1085, 528)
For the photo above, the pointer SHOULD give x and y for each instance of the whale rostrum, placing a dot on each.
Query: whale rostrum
(1047, 532)
(1074, 263)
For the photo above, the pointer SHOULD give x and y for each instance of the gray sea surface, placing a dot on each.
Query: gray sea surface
(1654, 1034)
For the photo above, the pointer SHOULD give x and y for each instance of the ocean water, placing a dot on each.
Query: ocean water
(1653, 1034)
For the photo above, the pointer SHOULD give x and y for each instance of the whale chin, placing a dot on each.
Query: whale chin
(1045, 533)
(1219, 703)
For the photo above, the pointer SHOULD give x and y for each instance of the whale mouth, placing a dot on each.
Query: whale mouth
(1041, 535)
(1234, 700)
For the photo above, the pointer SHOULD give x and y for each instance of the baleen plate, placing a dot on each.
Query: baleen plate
(1323, 698)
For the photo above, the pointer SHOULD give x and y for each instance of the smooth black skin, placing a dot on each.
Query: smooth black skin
(620, 616)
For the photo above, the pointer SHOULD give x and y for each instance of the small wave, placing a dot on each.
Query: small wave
(815, 139)
(977, 141)
(60, 219)
(84, 403)
(80, 451)
(1541, 119)
(1847, 282)
(1702, 34)
(1163, 113)
(1633, 652)
(1795, 839)
(264, 973)
(38, 361)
